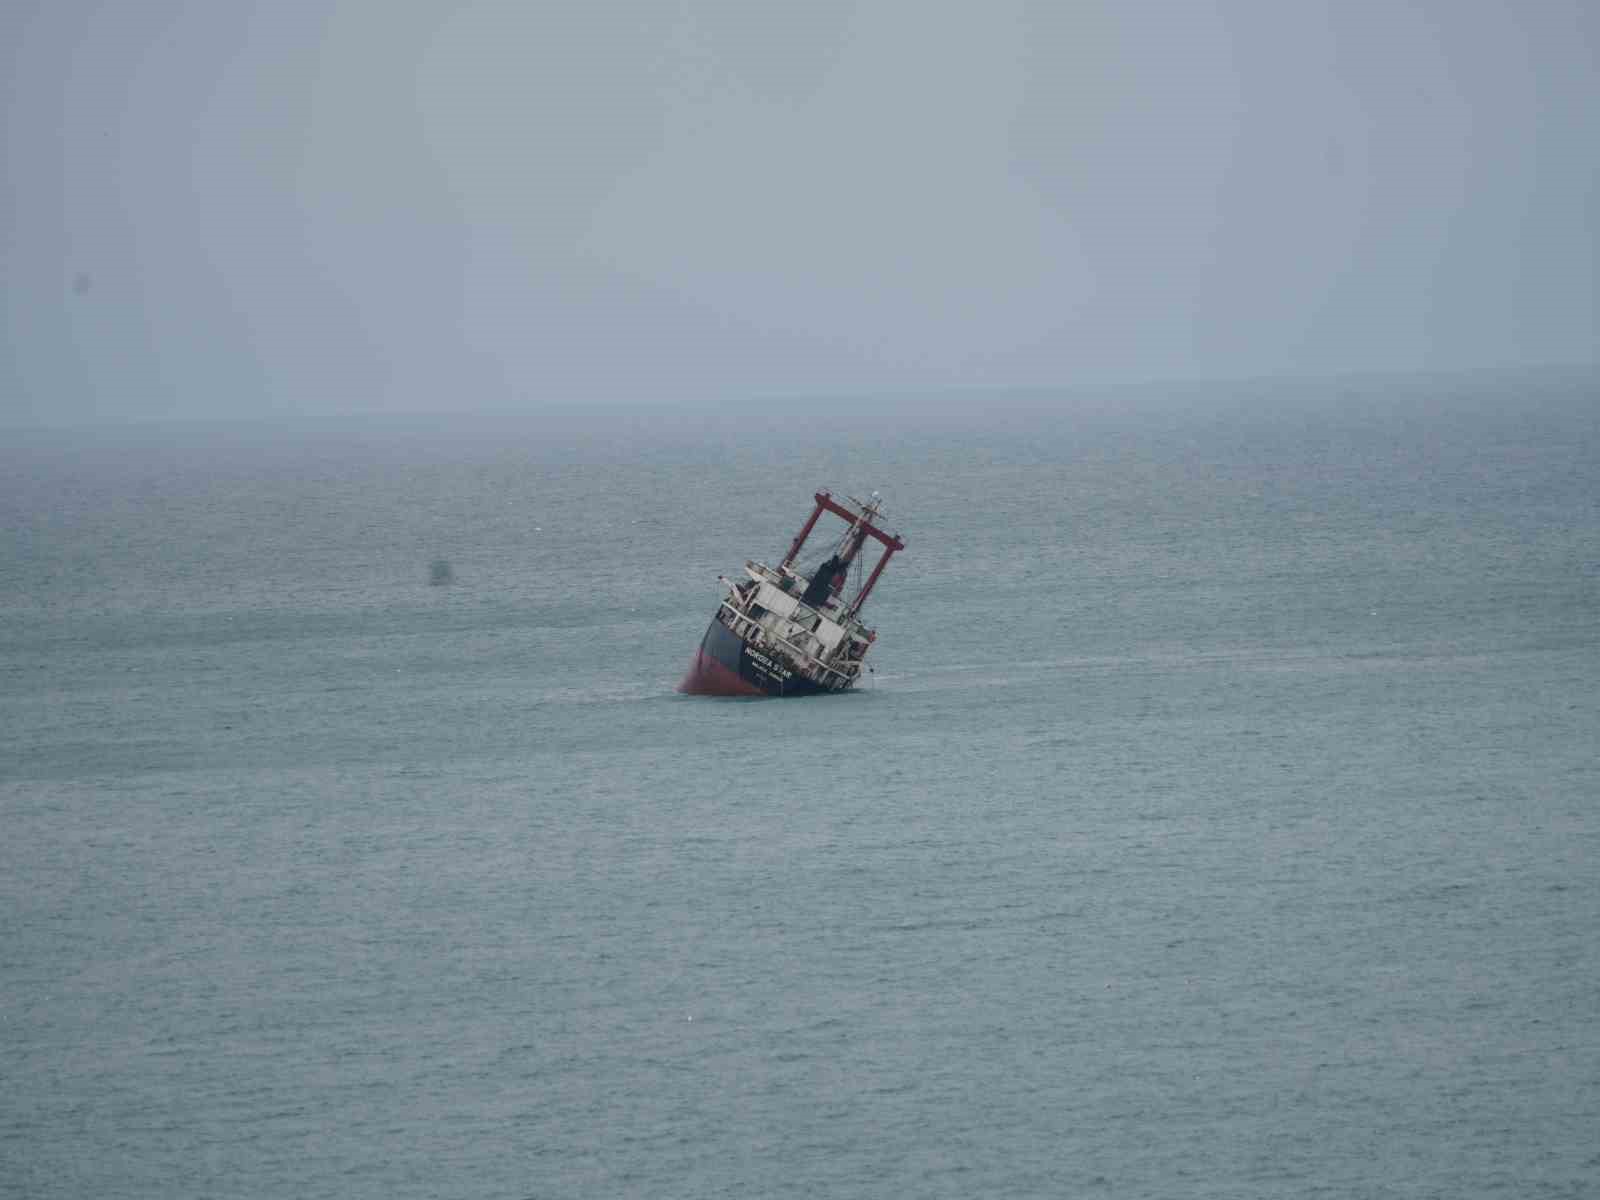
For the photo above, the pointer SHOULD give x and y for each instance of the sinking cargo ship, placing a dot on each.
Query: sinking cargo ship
(782, 633)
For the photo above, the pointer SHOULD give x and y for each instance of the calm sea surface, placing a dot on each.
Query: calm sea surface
(1223, 818)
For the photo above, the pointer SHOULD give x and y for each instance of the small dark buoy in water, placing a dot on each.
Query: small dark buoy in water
(439, 573)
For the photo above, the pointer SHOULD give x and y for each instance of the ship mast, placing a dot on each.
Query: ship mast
(861, 528)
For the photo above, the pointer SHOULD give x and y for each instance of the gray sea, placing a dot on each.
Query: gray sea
(1221, 819)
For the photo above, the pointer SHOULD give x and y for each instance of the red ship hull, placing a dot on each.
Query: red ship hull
(725, 666)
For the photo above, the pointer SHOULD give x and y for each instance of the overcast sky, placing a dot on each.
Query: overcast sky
(217, 208)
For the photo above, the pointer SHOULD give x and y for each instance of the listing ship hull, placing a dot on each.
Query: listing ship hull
(725, 665)
(784, 632)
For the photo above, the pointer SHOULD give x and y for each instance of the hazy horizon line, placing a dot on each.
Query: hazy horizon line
(938, 399)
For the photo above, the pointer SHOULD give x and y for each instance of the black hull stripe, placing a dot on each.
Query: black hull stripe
(760, 670)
